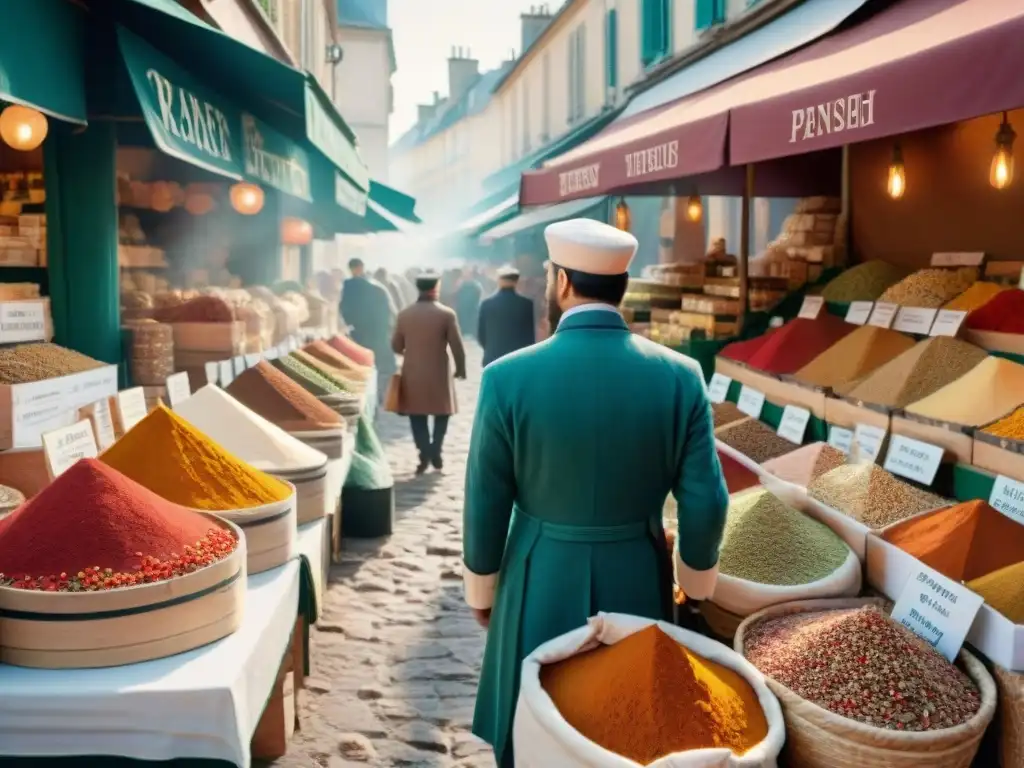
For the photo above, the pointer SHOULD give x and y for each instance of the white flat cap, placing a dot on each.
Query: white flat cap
(507, 271)
(585, 245)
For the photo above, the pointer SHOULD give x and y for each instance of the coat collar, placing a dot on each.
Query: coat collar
(598, 320)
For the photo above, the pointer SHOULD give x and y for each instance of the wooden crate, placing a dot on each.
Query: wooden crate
(955, 439)
(228, 339)
(848, 414)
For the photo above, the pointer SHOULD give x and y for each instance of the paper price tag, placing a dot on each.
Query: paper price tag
(841, 439)
(103, 424)
(226, 373)
(883, 314)
(1008, 497)
(238, 364)
(794, 423)
(859, 312)
(282, 349)
(251, 360)
(178, 388)
(63, 447)
(937, 609)
(212, 372)
(913, 459)
(22, 321)
(948, 322)
(131, 407)
(270, 354)
(867, 442)
(751, 401)
(811, 307)
(916, 320)
(958, 259)
(718, 388)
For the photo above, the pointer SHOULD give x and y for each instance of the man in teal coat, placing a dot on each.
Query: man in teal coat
(576, 444)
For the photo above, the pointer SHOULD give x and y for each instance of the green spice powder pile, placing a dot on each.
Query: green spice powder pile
(307, 378)
(769, 543)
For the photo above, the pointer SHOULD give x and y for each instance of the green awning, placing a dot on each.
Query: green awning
(393, 204)
(196, 125)
(538, 218)
(492, 217)
(43, 60)
(289, 99)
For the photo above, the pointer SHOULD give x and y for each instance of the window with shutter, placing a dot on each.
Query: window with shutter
(611, 50)
(710, 12)
(655, 30)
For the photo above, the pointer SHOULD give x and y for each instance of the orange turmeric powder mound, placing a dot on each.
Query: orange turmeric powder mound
(648, 696)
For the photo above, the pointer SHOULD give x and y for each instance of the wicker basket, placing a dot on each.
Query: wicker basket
(722, 623)
(1011, 709)
(816, 738)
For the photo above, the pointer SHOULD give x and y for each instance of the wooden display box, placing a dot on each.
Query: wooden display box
(225, 338)
(790, 392)
(744, 375)
(956, 439)
(995, 454)
(848, 414)
(25, 470)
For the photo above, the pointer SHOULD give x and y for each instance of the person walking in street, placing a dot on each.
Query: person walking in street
(424, 334)
(467, 300)
(506, 320)
(576, 443)
(367, 307)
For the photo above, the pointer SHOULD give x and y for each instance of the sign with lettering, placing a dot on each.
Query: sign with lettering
(794, 423)
(227, 374)
(719, 388)
(212, 369)
(913, 459)
(883, 314)
(867, 440)
(948, 322)
(1008, 497)
(937, 609)
(657, 159)
(22, 321)
(273, 159)
(63, 447)
(102, 423)
(577, 180)
(751, 402)
(841, 439)
(348, 196)
(958, 259)
(178, 388)
(917, 320)
(811, 307)
(859, 312)
(131, 407)
(841, 115)
(270, 354)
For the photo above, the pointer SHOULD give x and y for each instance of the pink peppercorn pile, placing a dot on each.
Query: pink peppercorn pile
(862, 665)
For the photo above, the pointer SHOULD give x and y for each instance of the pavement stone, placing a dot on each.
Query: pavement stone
(396, 655)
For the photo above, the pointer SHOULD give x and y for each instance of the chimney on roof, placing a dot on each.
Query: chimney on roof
(463, 72)
(534, 23)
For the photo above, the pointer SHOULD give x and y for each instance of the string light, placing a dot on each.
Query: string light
(246, 198)
(295, 231)
(694, 208)
(623, 218)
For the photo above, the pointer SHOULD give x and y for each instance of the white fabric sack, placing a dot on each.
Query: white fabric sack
(543, 739)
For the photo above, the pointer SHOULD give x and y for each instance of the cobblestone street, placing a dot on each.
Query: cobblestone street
(396, 655)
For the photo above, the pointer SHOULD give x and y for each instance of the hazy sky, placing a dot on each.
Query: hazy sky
(424, 32)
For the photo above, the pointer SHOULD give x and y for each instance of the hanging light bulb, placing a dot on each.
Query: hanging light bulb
(623, 219)
(897, 183)
(1000, 175)
(246, 198)
(694, 208)
(23, 128)
(295, 231)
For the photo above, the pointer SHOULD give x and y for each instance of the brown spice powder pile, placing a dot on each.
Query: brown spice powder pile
(868, 493)
(989, 391)
(35, 362)
(862, 665)
(806, 464)
(281, 401)
(754, 439)
(854, 356)
(726, 413)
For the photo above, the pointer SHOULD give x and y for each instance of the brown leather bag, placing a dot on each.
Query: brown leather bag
(393, 396)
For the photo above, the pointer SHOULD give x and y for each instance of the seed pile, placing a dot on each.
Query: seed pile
(726, 413)
(869, 494)
(964, 542)
(308, 378)
(854, 356)
(924, 368)
(1011, 427)
(1003, 314)
(865, 282)
(767, 542)
(35, 362)
(798, 342)
(806, 464)
(862, 665)
(989, 391)
(754, 439)
(931, 287)
(978, 295)
(1003, 590)
(737, 477)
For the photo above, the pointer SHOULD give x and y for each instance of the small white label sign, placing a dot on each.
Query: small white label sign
(63, 447)
(883, 314)
(913, 459)
(811, 307)
(948, 322)
(178, 388)
(917, 320)
(131, 407)
(251, 360)
(238, 363)
(751, 401)
(212, 370)
(794, 423)
(937, 609)
(718, 388)
(226, 374)
(282, 349)
(270, 354)
(859, 312)
(868, 442)
(841, 439)
(1008, 497)
(22, 321)
(103, 421)
(958, 259)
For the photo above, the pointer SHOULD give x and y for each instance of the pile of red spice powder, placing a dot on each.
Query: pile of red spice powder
(353, 351)
(93, 528)
(742, 351)
(798, 342)
(737, 477)
(1004, 313)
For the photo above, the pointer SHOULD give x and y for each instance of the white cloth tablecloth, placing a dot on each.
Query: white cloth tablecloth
(202, 704)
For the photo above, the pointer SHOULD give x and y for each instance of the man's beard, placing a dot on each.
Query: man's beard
(554, 312)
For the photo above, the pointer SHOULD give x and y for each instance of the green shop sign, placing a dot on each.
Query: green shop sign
(195, 125)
